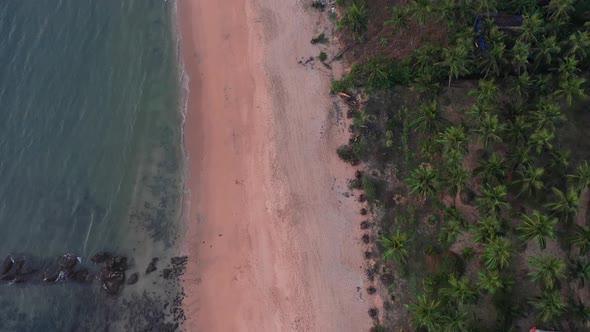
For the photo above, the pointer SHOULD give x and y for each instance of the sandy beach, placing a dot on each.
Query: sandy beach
(273, 243)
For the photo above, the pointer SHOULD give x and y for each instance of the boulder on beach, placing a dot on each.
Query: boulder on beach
(100, 257)
(7, 264)
(133, 278)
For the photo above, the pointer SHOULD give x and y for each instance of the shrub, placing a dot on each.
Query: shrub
(323, 56)
(346, 153)
(369, 188)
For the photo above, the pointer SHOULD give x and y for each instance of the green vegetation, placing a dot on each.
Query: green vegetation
(479, 139)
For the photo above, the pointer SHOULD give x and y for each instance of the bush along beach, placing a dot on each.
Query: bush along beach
(471, 118)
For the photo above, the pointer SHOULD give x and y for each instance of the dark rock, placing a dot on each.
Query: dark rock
(82, 275)
(152, 266)
(366, 238)
(112, 281)
(371, 290)
(100, 257)
(358, 174)
(67, 262)
(6, 265)
(117, 263)
(364, 211)
(166, 273)
(362, 198)
(373, 312)
(133, 278)
(365, 224)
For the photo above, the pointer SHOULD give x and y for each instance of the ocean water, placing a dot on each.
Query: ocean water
(90, 157)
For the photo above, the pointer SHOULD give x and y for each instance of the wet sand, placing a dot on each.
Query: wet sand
(273, 244)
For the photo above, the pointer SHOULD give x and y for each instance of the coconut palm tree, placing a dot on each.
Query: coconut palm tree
(564, 204)
(492, 199)
(580, 312)
(521, 84)
(497, 253)
(546, 51)
(491, 169)
(541, 139)
(396, 247)
(537, 227)
(487, 94)
(423, 181)
(430, 119)
(520, 54)
(487, 229)
(490, 281)
(489, 130)
(520, 156)
(459, 290)
(548, 270)
(532, 27)
(457, 61)
(450, 231)
(530, 179)
(571, 88)
(549, 305)
(581, 239)
(356, 19)
(456, 179)
(454, 138)
(582, 176)
(579, 43)
(486, 6)
(426, 313)
(524, 6)
(568, 67)
(560, 10)
(580, 271)
(548, 114)
(421, 10)
(516, 131)
(399, 17)
(560, 160)
(492, 61)
(456, 321)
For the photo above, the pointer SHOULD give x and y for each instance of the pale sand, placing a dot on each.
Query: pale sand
(273, 245)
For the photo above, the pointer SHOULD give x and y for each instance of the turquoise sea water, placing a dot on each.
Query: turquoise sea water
(90, 156)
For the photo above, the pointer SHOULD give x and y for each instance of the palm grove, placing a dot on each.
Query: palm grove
(494, 202)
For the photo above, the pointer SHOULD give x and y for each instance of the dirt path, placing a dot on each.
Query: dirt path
(273, 243)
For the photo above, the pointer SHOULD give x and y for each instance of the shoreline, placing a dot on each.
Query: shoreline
(273, 243)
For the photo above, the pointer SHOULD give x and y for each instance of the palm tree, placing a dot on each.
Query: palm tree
(487, 229)
(581, 312)
(568, 67)
(493, 60)
(497, 253)
(559, 159)
(488, 93)
(548, 114)
(430, 119)
(489, 130)
(530, 179)
(516, 131)
(549, 270)
(582, 176)
(421, 10)
(459, 290)
(396, 247)
(457, 61)
(520, 53)
(490, 281)
(582, 239)
(547, 49)
(355, 19)
(559, 10)
(454, 138)
(426, 313)
(579, 43)
(492, 199)
(549, 305)
(457, 178)
(399, 17)
(532, 27)
(571, 88)
(565, 205)
(541, 139)
(455, 321)
(491, 169)
(580, 271)
(423, 181)
(450, 231)
(486, 6)
(537, 227)
(520, 156)
(521, 84)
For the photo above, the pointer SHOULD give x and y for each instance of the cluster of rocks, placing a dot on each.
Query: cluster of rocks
(112, 272)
